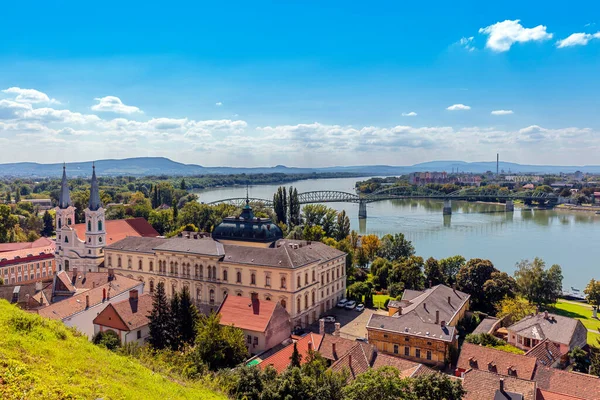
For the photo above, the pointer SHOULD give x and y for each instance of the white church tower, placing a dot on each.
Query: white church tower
(66, 236)
(95, 233)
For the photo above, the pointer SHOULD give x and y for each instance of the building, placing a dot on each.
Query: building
(265, 323)
(564, 332)
(27, 262)
(40, 204)
(29, 295)
(245, 258)
(423, 327)
(128, 319)
(481, 385)
(548, 354)
(557, 384)
(280, 360)
(77, 298)
(476, 357)
(82, 245)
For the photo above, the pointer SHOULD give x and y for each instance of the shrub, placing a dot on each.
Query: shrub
(108, 339)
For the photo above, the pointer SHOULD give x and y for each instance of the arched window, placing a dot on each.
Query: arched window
(176, 268)
(209, 272)
(100, 225)
(238, 277)
(129, 263)
(283, 303)
(322, 279)
(197, 271)
(119, 262)
(306, 278)
(66, 239)
(140, 264)
(173, 289)
(306, 301)
(68, 221)
(268, 298)
(151, 286)
(224, 294)
(100, 239)
(239, 294)
(110, 261)
(212, 296)
(327, 276)
(201, 271)
(283, 282)
(253, 279)
(298, 304)
(225, 275)
(214, 272)
(313, 298)
(299, 283)
(198, 294)
(171, 264)
(313, 276)
(151, 266)
(89, 225)
(67, 265)
(59, 224)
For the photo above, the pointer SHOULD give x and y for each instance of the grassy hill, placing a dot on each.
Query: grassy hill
(42, 359)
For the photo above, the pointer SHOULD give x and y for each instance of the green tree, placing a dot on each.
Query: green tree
(7, 223)
(370, 244)
(188, 317)
(162, 221)
(218, 346)
(498, 287)
(380, 269)
(158, 320)
(358, 289)
(313, 232)
(409, 272)
(48, 229)
(280, 204)
(296, 358)
(175, 210)
(107, 339)
(437, 387)
(342, 226)
(395, 247)
(294, 205)
(8, 198)
(516, 308)
(592, 293)
(581, 361)
(17, 196)
(450, 267)
(433, 272)
(471, 279)
(174, 332)
(182, 184)
(538, 285)
(382, 384)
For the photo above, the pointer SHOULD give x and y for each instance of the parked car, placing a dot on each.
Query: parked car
(329, 318)
(341, 303)
(360, 307)
(350, 305)
(299, 332)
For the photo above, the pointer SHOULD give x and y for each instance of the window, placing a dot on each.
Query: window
(256, 340)
(322, 279)
(253, 279)
(214, 272)
(314, 276)
(139, 334)
(151, 286)
(268, 280)
(198, 294)
(249, 339)
(140, 265)
(119, 262)
(406, 339)
(395, 349)
(306, 301)
(306, 278)
(151, 266)
(100, 239)
(59, 226)
(283, 303)
(428, 355)
(201, 270)
(313, 298)
(406, 351)
(238, 278)
(69, 221)
(89, 225)
(173, 289)
(283, 282)
(66, 239)
(418, 353)
(129, 263)
(100, 225)
(298, 304)
(209, 272)
(225, 275)
(109, 261)
(299, 283)
(224, 294)
(327, 276)
(211, 298)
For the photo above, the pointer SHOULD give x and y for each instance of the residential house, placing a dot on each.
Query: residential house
(27, 262)
(423, 327)
(29, 295)
(265, 323)
(557, 384)
(476, 357)
(565, 332)
(484, 385)
(549, 354)
(280, 360)
(128, 319)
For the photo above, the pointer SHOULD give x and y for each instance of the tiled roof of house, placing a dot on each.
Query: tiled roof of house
(118, 229)
(41, 242)
(137, 244)
(478, 357)
(281, 360)
(77, 303)
(567, 383)
(483, 385)
(486, 325)
(356, 361)
(546, 352)
(248, 314)
(440, 298)
(546, 395)
(7, 293)
(385, 360)
(203, 246)
(134, 314)
(342, 347)
(411, 324)
(554, 327)
(28, 259)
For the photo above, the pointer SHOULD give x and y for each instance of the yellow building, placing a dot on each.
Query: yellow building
(246, 256)
(422, 325)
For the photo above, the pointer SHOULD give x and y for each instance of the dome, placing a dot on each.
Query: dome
(247, 228)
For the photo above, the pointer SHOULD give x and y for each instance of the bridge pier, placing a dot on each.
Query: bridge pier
(362, 210)
(447, 207)
(509, 206)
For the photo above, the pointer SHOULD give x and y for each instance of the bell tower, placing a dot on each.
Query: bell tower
(65, 218)
(95, 232)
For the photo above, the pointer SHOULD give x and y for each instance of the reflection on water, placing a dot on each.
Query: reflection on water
(473, 230)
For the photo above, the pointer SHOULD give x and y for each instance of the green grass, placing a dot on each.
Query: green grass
(582, 312)
(378, 300)
(43, 359)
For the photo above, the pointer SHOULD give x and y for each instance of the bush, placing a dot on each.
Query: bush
(484, 339)
(385, 303)
(108, 339)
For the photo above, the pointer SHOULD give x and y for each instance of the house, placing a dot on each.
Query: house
(476, 357)
(422, 328)
(565, 332)
(29, 295)
(77, 299)
(280, 360)
(128, 319)
(484, 385)
(548, 354)
(265, 323)
(553, 383)
(27, 262)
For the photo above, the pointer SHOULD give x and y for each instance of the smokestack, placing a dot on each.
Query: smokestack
(437, 317)
(87, 301)
(399, 310)
(502, 385)
(449, 301)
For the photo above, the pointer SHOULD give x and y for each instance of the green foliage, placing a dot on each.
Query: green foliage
(395, 247)
(486, 285)
(450, 267)
(433, 272)
(581, 361)
(280, 205)
(538, 285)
(108, 339)
(158, 320)
(7, 223)
(313, 233)
(408, 271)
(485, 339)
(295, 358)
(48, 229)
(437, 387)
(516, 308)
(342, 226)
(382, 384)
(218, 346)
(592, 292)
(294, 207)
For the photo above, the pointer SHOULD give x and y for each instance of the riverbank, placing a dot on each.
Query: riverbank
(573, 207)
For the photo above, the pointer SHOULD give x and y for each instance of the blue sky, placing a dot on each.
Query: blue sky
(300, 83)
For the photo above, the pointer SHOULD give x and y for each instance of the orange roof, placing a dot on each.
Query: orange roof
(281, 360)
(133, 314)
(573, 384)
(118, 229)
(473, 356)
(483, 385)
(546, 395)
(246, 314)
(41, 242)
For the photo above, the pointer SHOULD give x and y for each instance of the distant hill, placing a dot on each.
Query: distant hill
(43, 359)
(144, 166)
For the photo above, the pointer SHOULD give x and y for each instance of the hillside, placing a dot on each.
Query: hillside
(42, 359)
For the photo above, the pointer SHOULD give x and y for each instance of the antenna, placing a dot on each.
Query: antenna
(497, 164)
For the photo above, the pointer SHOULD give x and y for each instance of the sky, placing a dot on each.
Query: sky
(300, 83)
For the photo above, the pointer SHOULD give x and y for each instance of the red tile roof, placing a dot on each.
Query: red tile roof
(356, 361)
(246, 314)
(482, 385)
(134, 314)
(546, 352)
(473, 356)
(342, 347)
(41, 242)
(545, 395)
(22, 260)
(118, 229)
(568, 383)
(281, 360)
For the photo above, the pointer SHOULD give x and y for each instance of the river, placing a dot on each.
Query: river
(474, 230)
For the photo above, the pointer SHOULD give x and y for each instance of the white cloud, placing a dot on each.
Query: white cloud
(115, 105)
(30, 96)
(502, 112)
(456, 107)
(410, 114)
(10, 109)
(577, 39)
(218, 104)
(466, 43)
(502, 35)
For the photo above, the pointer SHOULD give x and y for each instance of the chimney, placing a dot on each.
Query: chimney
(38, 286)
(350, 360)
(399, 310)
(42, 300)
(502, 385)
(546, 314)
(93, 285)
(443, 324)
(333, 351)
(111, 274)
(449, 301)
(425, 306)
(310, 346)
(103, 294)
(437, 317)
(87, 301)
(75, 273)
(321, 326)
(133, 294)
(336, 332)
(546, 344)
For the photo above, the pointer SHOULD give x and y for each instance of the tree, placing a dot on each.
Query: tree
(450, 267)
(471, 279)
(218, 346)
(188, 317)
(484, 339)
(175, 210)
(370, 244)
(592, 293)
(353, 237)
(382, 384)
(182, 184)
(410, 272)
(294, 205)
(498, 287)
(48, 229)
(516, 308)
(280, 204)
(17, 196)
(395, 247)
(161, 220)
(433, 272)
(437, 387)
(581, 361)
(108, 339)
(296, 358)
(380, 269)
(174, 333)
(158, 320)
(342, 226)
(8, 198)
(538, 285)
(358, 290)
(313, 233)
(7, 222)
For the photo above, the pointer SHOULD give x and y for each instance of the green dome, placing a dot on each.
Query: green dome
(247, 228)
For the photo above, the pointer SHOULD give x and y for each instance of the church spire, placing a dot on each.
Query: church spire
(95, 202)
(64, 199)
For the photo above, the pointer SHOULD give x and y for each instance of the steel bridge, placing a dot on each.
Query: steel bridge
(401, 192)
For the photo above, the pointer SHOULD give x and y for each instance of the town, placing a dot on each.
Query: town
(291, 300)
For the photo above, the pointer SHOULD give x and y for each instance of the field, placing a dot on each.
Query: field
(42, 359)
(582, 312)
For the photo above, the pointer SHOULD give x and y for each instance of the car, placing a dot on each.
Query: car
(329, 318)
(360, 307)
(341, 303)
(350, 305)
(298, 331)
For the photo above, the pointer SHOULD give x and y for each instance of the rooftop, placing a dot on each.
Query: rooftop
(478, 357)
(247, 228)
(544, 325)
(440, 298)
(133, 313)
(281, 360)
(248, 314)
(546, 352)
(483, 385)
(118, 229)
(567, 383)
